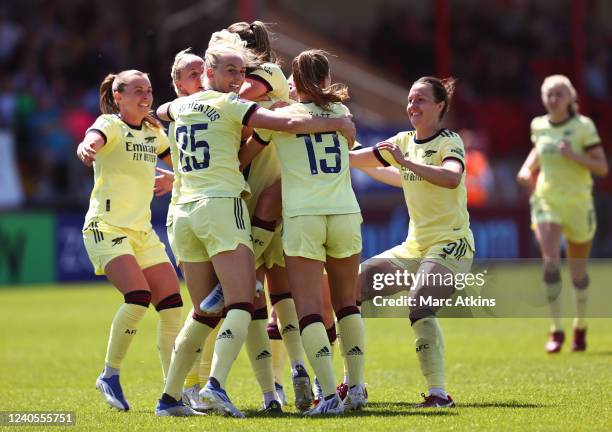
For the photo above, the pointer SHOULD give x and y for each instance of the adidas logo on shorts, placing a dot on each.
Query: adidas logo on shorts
(264, 354)
(355, 351)
(289, 328)
(227, 334)
(323, 352)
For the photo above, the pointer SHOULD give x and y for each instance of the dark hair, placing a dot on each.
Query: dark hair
(443, 90)
(257, 38)
(310, 68)
(116, 83)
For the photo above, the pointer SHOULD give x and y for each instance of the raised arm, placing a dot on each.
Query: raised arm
(253, 90)
(529, 166)
(163, 112)
(87, 149)
(299, 123)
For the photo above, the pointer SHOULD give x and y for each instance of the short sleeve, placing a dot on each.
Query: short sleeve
(386, 158)
(263, 136)
(107, 127)
(590, 137)
(452, 149)
(239, 110)
(164, 143)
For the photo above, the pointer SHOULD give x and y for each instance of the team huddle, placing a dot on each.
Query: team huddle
(262, 196)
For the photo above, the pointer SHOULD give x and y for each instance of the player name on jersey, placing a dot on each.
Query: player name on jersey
(205, 109)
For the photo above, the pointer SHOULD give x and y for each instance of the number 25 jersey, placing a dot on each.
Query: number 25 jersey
(207, 128)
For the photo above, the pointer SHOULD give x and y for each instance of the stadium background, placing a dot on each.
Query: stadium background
(53, 55)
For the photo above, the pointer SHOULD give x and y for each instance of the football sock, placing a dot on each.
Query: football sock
(352, 344)
(109, 371)
(207, 354)
(332, 335)
(124, 326)
(230, 340)
(290, 327)
(552, 282)
(259, 350)
(318, 351)
(430, 350)
(279, 353)
(169, 325)
(345, 378)
(581, 296)
(187, 346)
(262, 232)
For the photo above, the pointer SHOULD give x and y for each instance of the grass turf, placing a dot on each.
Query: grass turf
(53, 341)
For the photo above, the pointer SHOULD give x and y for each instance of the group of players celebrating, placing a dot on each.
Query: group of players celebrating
(261, 190)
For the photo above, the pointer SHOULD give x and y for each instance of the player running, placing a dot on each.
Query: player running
(123, 146)
(567, 150)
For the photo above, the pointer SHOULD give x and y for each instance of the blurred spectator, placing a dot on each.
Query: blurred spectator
(478, 175)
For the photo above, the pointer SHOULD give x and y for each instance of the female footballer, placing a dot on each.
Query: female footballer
(567, 150)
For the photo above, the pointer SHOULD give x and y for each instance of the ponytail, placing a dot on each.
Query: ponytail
(310, 69)
(107, 101)
(257, 38)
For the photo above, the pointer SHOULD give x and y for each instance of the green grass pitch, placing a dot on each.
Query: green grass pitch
(53, 341)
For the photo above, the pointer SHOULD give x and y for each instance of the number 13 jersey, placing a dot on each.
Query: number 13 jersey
(315, 173)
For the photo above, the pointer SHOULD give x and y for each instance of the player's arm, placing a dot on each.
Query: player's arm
(300, 123)
(163, 112)
(166, 158)
(253, 89)
(366, 158)
(530, 165)
(86, 151)
(594, 159)
(387, 175)
(447, 176)
(249, 150)
(163, 181)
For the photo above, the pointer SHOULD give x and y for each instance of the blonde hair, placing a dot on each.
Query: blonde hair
(257, 38)
(553, 80)
(116, 83)
(224, 42)
(310, 68)
(180, 60)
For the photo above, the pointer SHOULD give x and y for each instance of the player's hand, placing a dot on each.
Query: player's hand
(348, 130)
(163, 182)
(565, 149)
(86, 153)
(523, 177)
(395, 151)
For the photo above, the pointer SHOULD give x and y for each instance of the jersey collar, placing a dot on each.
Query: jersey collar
(561, 123)
(431, 138)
